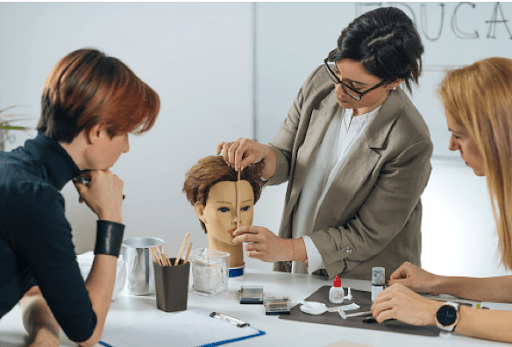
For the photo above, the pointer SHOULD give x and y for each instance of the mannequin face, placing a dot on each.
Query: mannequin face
(219, 215)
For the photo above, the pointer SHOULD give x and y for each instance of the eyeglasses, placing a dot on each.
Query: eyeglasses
(354, 94)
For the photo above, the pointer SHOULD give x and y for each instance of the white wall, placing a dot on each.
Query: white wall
(199, 57)
(458, 228)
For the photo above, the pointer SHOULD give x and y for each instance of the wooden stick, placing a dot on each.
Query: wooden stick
(181, 249)
(238, 200)
(159, 255)
(153, 253)
(162, 256)
(166, 256)
(188, 252)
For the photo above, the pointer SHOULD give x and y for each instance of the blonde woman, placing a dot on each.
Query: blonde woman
(478, 106)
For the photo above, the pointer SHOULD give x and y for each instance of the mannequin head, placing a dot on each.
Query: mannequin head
(210, 186)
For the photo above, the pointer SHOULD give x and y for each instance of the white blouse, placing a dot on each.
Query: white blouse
(339, 139)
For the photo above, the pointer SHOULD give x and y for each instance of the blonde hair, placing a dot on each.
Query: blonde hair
(479, 98)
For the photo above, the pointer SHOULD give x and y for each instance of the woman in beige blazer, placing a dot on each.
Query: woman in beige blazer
(356, 155)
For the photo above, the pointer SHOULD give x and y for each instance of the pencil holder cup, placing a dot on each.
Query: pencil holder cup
(139, 271)
(171, 286)
(210, 271)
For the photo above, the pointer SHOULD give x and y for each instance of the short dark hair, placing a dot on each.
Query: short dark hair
(86, 88)
(211, 170)
(385, 41)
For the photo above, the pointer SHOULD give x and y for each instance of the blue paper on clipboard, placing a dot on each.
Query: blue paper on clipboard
(191, 328)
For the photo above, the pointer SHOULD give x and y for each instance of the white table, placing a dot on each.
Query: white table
(129, 310)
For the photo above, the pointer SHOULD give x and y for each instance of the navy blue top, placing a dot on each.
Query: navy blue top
(35, 237)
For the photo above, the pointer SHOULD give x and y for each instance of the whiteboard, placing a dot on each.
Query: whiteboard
(291, 39)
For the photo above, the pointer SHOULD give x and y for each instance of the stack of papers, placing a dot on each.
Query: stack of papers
(185, 329)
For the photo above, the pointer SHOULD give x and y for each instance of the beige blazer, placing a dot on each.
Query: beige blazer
(371, 215)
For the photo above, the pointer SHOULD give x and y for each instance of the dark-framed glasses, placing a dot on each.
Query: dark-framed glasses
(354, 94)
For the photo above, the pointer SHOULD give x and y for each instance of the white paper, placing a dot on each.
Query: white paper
(184, 329)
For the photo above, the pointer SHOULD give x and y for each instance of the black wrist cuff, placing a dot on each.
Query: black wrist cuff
(109, 236)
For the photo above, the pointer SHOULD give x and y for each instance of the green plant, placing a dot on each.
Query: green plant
(7, 118)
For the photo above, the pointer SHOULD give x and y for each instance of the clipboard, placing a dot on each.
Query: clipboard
(190, 328)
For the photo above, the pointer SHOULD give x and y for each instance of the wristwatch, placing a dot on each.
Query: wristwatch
(448, 316)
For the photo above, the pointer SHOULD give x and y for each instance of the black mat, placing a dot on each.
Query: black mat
(364, 300)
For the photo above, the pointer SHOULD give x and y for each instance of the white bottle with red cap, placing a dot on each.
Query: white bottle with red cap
(336, 293)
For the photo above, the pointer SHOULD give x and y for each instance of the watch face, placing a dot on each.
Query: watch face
(446, 315)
